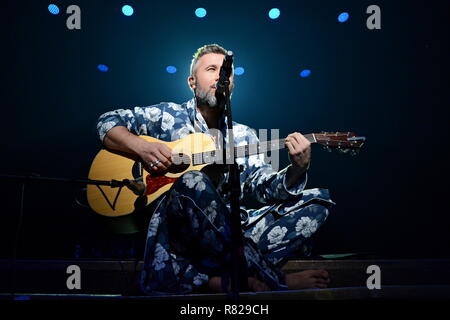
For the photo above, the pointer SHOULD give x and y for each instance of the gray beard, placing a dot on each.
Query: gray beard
(205, 97)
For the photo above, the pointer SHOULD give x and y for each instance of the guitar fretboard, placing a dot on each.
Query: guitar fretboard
(243, 151)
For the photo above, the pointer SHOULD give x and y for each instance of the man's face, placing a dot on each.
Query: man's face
(206, 75)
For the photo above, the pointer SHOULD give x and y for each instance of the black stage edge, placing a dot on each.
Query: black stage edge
(407, 279)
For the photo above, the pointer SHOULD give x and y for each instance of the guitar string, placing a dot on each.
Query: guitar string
(262, 147)
(245, 150)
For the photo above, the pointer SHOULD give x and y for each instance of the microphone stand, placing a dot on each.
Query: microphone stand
(238, 263)
(30, 178)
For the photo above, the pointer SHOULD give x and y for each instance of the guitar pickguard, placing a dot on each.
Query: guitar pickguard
(155, 183)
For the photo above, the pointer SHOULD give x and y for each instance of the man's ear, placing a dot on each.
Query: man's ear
(191, 82)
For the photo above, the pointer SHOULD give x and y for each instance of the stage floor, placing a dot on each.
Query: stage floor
(410, 279)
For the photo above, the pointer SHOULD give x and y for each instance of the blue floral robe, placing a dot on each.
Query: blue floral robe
(188, 235)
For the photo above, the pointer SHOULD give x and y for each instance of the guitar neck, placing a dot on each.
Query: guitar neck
(262, 147)
(247, 150)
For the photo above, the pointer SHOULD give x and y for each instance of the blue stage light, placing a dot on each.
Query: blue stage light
(343, 17)
(200, 12)
(305, 73)
(274, 13)
(53, 8)
(127, 10)
(171, 69)
(102, 68)
(239, 71)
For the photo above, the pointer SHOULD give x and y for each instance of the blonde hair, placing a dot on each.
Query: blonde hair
(209, 48)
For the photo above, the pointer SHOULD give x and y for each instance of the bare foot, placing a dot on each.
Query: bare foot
(308, 279)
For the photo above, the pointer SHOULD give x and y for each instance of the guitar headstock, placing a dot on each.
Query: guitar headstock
(344, 142)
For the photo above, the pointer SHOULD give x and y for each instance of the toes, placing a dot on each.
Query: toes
(324, 273)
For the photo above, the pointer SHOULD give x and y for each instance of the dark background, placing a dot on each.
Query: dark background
(390, 85)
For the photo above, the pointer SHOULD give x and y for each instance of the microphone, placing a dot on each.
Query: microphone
(225, 73)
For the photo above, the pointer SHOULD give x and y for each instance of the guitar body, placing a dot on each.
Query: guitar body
(112, 165)
(193, 152)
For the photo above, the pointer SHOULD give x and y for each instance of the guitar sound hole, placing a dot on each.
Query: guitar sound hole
(180, 163)
(177, 168)
(183, 161)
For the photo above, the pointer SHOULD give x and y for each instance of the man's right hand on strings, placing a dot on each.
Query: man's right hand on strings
(157, 156)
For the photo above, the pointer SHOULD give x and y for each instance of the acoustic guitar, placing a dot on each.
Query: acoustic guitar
(140, 187)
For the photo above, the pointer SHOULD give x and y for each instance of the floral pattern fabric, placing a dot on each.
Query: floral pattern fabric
(188, 234)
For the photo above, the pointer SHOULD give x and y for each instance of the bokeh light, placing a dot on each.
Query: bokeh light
(200, 12)
(127, 10)
(53, 8)
(305, 73)
(343, 17)
(239, 71)
(171, 69)
(274, 13)
(102, 68)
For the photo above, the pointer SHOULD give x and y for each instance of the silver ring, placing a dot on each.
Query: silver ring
(151, 165)
(155, 163)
